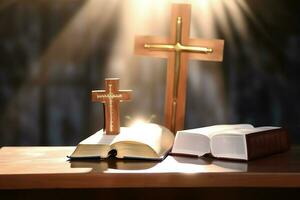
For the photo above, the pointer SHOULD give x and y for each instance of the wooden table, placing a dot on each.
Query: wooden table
(37, 170)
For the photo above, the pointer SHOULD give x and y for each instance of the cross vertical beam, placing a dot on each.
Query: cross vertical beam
(178, 49)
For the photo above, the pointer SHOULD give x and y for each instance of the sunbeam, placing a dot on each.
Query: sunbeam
(72, 49)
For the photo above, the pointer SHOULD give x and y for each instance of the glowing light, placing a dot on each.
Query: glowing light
(81, 37)
(187, 166)
(209, 18)
(138, 123)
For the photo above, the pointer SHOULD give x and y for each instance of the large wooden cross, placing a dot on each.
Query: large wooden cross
(111, 97)
(178, 49)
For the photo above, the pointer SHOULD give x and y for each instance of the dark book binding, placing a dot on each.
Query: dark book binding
(267, 142)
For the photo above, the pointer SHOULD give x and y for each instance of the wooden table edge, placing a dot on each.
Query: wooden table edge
(157, 180)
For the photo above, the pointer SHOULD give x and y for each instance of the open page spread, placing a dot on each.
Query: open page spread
(143, 141)
(97, 145)
(197, 141)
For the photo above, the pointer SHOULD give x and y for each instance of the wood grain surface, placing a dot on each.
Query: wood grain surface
(49, 168)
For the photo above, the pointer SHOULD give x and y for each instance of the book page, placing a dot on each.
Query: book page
(209, 131)
(232, 143)
(99, 138)
(197, 141)
(97, 145)
(229, 145)
(243, 130)
(188, 143)
(153, 135)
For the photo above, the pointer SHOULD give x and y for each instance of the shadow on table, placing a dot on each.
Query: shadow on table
(233, 165)
(102, 165)
(280, 162)
(97, 165)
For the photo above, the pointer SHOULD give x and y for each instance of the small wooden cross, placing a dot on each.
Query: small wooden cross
(178, 49)
(111, 97)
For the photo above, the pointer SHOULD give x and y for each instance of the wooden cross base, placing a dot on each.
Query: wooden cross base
(178, 49)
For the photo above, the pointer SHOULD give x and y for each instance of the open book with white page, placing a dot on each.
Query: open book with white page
(143, 141)
(236, 141)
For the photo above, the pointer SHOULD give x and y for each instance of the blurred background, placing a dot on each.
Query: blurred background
(54, 52)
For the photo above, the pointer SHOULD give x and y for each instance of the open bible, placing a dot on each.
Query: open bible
(144, 141)
(237, 141)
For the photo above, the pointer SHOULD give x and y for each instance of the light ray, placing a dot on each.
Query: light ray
(81, 36)
(73, 44)
(238, 19)
(148, 17)
(247, 10)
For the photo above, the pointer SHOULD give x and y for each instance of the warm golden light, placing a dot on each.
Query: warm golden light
(138, 123)
(152, 17)
(82, 36)
(187, 166)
